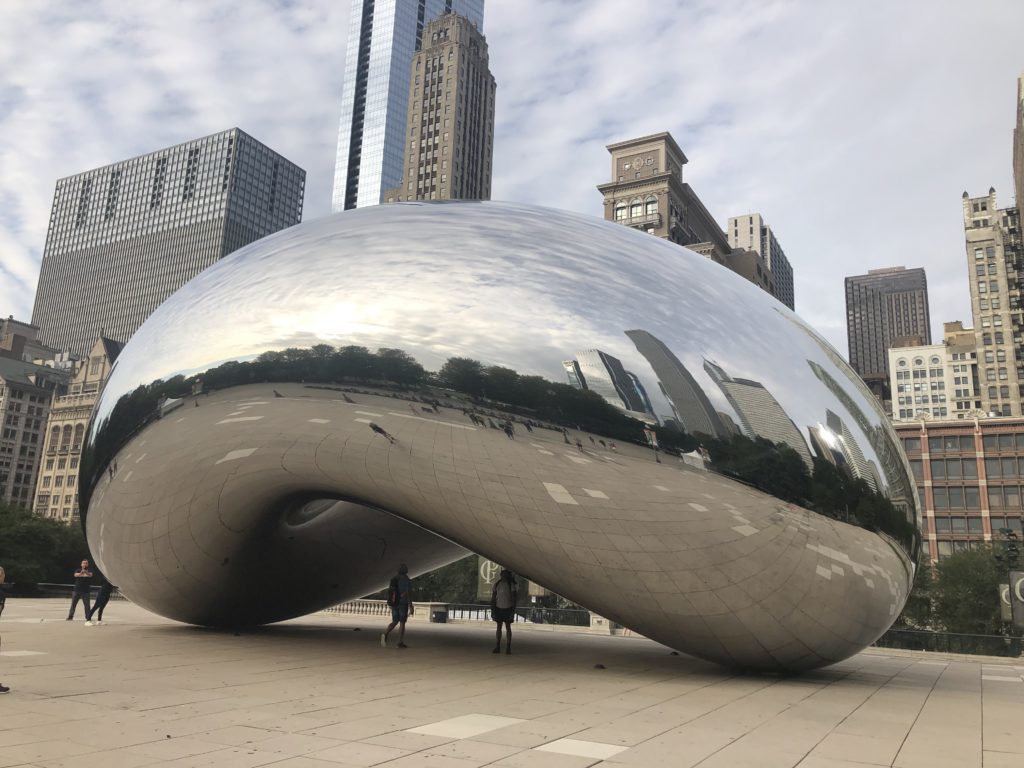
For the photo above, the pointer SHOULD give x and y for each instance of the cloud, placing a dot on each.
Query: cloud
(852, 127)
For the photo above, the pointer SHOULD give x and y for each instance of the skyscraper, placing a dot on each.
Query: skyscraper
(124, 237)
(450, 130)
(884, 308)
(751, 233)
(383, 36)
(993, 254)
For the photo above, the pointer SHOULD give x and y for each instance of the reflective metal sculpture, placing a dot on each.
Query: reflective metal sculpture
(608, 414)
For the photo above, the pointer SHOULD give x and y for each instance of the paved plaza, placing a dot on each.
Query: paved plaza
(320, 691)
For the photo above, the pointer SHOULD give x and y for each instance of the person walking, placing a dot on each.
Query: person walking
(3, 600)
(106, 588)
(504, 597)
(378, 429)
(400, 600)
(83, 587)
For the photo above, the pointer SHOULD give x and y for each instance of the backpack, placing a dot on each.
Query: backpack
(393, 592)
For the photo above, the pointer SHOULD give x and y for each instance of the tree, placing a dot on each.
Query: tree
(37, 550)
(463, 375)
(919, 612)
(452, 583)
(967, 593)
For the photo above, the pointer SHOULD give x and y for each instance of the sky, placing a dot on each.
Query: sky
(853, 128)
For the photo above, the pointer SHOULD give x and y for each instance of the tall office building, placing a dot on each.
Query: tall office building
(750, 233)
(450, 130)
(124, 237)
(383, 36)
(994, 254)
(884, 308)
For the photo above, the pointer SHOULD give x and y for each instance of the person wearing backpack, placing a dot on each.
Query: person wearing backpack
(400, 601)
(504, 597)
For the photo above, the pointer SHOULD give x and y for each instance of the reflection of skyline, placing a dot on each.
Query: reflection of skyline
(880, 439)
(605, 375)
(844, 442)
(689, 403)
(759, 413)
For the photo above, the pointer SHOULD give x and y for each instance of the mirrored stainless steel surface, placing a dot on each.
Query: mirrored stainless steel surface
(400, 382)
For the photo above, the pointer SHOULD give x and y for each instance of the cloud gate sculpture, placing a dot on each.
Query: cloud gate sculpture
(610, 415)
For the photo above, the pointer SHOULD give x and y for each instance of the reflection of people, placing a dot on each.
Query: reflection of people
(400, 600)
(101, 602)
(504, 597)
(83, 583)
(3, 599)
(381, 431)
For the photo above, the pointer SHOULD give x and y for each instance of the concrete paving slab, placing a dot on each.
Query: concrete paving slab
(143, 691)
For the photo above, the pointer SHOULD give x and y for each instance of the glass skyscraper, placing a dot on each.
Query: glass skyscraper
(124, 237)
(383, 36)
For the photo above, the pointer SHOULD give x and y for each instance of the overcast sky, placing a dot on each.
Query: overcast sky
(853, 127)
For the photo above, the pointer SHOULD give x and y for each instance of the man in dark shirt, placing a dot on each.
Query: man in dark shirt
(400, 600)
(83, 586)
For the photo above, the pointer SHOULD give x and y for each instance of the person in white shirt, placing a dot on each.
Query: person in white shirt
(504, 597)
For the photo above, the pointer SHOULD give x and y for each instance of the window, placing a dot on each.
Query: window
(620, 211)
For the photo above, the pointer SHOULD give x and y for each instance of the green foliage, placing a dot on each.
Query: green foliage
(959, 595)
(452, 583)
(966, 593)
(38, 550)
(919, 612)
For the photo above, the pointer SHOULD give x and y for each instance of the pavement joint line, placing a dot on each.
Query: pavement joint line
(239, 418)
(431, 421)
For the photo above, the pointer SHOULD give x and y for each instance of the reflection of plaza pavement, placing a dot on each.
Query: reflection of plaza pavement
(685, 556)
(313, 693)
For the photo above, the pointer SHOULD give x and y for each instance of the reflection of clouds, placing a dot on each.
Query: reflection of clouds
(510, 285)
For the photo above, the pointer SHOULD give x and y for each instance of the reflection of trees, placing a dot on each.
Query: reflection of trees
(536, 397)
(774, 468)
(779, 470)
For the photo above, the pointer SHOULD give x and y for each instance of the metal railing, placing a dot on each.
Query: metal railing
(571, 617)
(950, 642)
(362, 608)
(470, 612)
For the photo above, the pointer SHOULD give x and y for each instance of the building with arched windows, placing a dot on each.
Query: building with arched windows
(647, 193)
(56, 493)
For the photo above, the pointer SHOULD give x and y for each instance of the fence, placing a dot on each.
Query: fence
(65, 590)
(570, 617)
(949, 642)
(469, 612)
